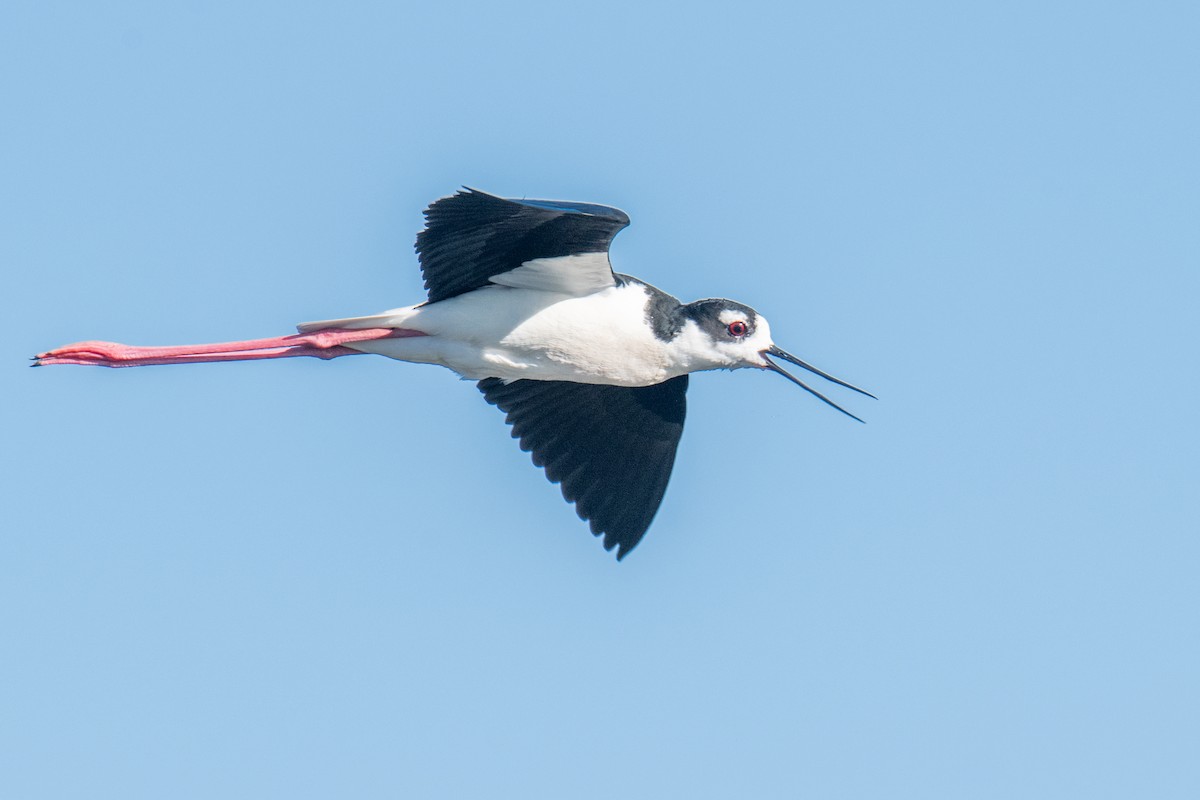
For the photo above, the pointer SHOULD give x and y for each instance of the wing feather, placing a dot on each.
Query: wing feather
(473, 238)
(611, 448)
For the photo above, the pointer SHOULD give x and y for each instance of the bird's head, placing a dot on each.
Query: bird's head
(730, 335)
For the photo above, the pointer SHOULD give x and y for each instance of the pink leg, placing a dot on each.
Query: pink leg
(326, 343)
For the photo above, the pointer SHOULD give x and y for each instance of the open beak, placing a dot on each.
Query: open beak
(786, 356)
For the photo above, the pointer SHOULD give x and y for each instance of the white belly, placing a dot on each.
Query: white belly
(512, 333)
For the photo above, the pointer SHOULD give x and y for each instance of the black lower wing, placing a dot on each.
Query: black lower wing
(611, 447)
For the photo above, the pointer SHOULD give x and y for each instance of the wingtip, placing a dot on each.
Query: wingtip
(469, 190)
(623, 548)
(610, 543)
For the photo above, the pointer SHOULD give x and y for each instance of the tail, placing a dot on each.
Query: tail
(387, 319)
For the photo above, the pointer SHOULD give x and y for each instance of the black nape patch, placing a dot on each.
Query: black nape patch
(663, 312)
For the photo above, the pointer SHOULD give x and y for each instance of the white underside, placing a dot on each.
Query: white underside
(553, 319)
(513, 333)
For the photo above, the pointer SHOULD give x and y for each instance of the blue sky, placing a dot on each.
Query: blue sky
(306, 579)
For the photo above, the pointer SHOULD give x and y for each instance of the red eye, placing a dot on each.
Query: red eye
(737, 328)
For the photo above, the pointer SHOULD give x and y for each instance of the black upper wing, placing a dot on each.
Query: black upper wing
(473, 236)
(611, 447)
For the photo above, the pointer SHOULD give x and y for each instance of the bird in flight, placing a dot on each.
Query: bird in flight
(590, 366)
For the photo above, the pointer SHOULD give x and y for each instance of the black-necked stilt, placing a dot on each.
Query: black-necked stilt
(590, 366)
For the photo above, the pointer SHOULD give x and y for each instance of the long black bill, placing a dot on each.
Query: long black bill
(786, 356)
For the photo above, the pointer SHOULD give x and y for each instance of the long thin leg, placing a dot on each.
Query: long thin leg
(327, 343)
